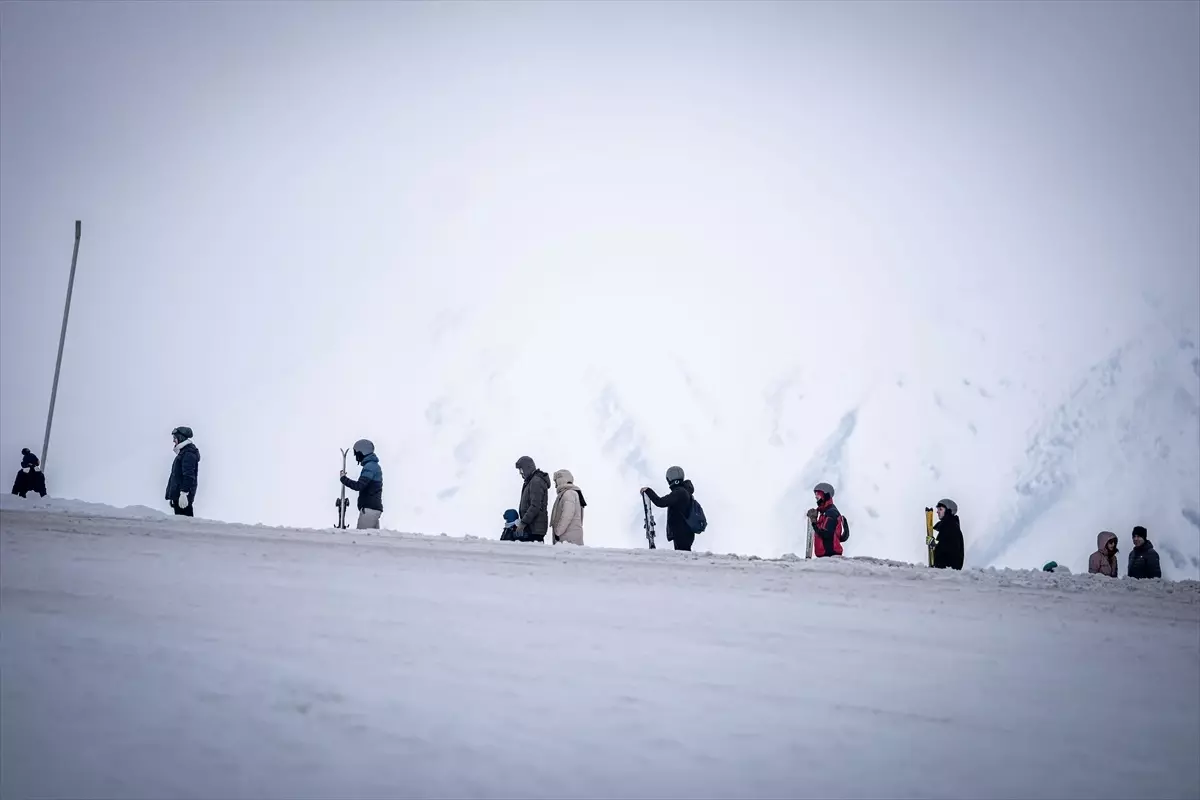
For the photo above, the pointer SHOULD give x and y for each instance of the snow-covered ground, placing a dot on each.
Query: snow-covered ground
(156, 657)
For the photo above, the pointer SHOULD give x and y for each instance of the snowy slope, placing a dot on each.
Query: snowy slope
(179, 657)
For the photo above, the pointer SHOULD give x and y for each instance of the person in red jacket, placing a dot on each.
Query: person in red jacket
(827, 523)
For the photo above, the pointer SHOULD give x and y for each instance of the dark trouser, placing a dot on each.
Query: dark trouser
(183, 512)
(683, 541)
(29, 482)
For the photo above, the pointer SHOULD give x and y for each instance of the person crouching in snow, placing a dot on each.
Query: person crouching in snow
(827, 523)
(1104, 560)
(509, 534)
(185, 473)
(949, 551)
(566, 519)
(29, 476)
(369, 485)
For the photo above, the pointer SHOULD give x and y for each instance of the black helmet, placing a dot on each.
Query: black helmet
(824, 488)
(181, 433)
(674, 474)
(363, 447)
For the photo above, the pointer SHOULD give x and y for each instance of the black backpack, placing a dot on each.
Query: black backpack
(695, 520)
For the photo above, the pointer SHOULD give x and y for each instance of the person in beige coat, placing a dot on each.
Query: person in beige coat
(566, 518)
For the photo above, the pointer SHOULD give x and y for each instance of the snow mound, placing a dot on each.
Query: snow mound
(82, 508)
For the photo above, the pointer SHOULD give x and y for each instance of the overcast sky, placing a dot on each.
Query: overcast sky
(304, 223)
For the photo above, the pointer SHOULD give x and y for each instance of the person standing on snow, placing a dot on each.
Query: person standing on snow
(827, 523)
(535, 500)
(678, 503)
(949, 551)
(369, 485)
(1104, 560)
(566, 520)
(185, 473)
(1143, 558)
(29, 476)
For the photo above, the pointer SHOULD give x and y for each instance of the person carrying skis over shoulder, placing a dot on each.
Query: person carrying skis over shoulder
(949, 550)
(683, 521)
(535, 502)
(828, 524)
(185, 473)
(369, 485)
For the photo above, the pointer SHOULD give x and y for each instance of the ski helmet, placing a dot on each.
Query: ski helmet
(674, 474)
(824, 488)
(181, 433)
(949, 505)
(363, 447)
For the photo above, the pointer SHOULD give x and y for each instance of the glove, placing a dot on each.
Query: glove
(812, 514)
(930, 541)
(183, 501)
(520, 527)
(37, 469)
(343, 473)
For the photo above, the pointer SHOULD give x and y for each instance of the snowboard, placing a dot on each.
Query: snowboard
(929, 540)
(649, 515)
(342, 503)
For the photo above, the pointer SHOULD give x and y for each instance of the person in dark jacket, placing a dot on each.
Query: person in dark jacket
(369, 485)
(678, 503)
(185, 473)
(535, 502)
(828, 524)
(949, 552)
(29, 476)
(509, 534)
(1143, 558)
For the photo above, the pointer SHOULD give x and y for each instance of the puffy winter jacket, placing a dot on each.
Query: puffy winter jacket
(678, 503)
(369, 484)
(534, 505)
(1103, 562)
(185, 473)
(950, 551)
(827, 528)
(1143, 562)
(566, 519)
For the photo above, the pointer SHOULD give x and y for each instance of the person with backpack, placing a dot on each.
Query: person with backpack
(829, 526)
(535, 500)
(685, 516)
(1143, 558)
(949, 550)
(185, 473)
(566, 518)
(369, 485)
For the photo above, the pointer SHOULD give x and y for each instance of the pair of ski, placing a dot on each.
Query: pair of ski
(342, 503)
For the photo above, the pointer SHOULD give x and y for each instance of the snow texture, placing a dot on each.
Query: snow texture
(181, 657)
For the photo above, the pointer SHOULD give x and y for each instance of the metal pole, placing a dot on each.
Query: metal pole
(62, 340)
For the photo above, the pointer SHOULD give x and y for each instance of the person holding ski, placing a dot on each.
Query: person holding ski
(369, 485)
(535, 500)
(1143, 558)
(827, 522)
(1104, 560)
(29, 476)
(566, 520)
(680, 504)
(185, 473)
(949, 551)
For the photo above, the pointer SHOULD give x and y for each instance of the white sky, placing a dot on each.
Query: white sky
(310, 223)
